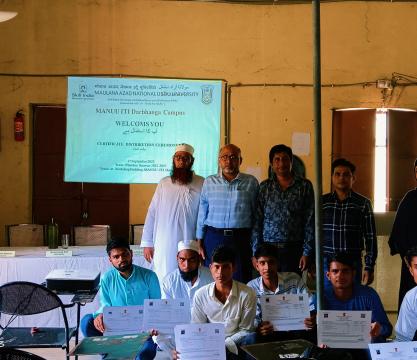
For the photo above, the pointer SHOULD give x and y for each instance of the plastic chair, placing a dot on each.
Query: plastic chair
(91, 234)
(136, 231)
(20, 298)
(15, 354)
(25, 235)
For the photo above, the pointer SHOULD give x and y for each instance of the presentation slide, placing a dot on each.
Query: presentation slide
(125, 130)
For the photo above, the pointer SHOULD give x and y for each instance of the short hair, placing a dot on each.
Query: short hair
(223, 254)
(267, 250)
(231, 146)
(345, 163)
(341, 257)
(117, 242)
(281, 148)
(412, 252)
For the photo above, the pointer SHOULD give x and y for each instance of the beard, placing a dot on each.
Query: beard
(182, 176)
(124, 268)
(189, 275)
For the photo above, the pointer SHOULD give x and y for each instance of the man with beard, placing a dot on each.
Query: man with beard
(182, 283)
(123, 285)
(172, 214)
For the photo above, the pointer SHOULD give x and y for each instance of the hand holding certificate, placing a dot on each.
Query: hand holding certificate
(344, 329)
(285, 312)
(200, 341)
(164, 314)
(123, 320)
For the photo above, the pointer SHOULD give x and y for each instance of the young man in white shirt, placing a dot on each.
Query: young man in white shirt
(190, 276)
(226, 301)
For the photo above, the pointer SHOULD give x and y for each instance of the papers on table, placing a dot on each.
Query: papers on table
(200, 341)
(394, 350)
(344, 329)
(164, 314)
(123, 320)
(285, 312)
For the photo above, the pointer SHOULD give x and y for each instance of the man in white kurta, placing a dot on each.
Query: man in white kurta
(172, 214)
(183, 282)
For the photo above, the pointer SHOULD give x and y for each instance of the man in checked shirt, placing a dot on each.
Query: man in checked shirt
(348, 223)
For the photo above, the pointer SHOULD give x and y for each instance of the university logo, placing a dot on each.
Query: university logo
(82, 88)
(207, 94)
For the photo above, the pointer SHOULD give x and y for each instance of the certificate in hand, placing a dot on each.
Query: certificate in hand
(394, 350)
(285, 312)
(123, 320)
(344, 329)
(163, 315)
(200, 341)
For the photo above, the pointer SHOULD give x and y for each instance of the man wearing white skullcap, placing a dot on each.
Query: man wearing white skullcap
(183, 282)
(172, 214)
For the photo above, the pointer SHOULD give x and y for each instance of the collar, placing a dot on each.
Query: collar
(131, 274)
(233, 290)
(295, 179)
(337, 199)
(237, 178)
(263, 289)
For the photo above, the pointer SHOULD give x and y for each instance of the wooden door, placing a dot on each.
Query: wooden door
(70, 203)
(402, 151)
(354, 139)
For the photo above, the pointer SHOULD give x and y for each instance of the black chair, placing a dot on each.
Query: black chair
(22, 298)
(15, 354)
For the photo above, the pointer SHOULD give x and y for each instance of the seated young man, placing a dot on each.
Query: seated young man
(122, 285)
(182, 283)
(226, 301)
(344, 294)
(272, 282)
(406, 325)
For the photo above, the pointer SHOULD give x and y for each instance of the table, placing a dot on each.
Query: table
(277, 349)
(31, 264)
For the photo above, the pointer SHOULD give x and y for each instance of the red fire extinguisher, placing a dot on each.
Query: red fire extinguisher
(19, 126)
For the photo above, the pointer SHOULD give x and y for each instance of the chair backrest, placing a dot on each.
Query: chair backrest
(91, 234)
(15, 354)
(26, 298)
(136, 233)
(25, 235)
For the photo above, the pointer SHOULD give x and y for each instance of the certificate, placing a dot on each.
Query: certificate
(344, 329)
(285, 312)
(394, 350)
(123, 320)
(200, 341)
(163, 315)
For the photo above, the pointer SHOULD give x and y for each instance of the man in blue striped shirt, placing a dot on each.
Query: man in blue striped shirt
(272, 282)
(348, 222)
(227, 206)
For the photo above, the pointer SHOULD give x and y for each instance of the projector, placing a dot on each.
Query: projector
(72, 280)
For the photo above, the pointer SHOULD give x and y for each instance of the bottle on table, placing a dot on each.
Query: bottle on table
(52, 234)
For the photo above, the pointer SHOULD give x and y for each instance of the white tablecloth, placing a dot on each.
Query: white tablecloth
(31, 264)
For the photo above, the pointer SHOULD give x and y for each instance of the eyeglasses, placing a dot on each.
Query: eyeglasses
(229, 157)
(183, 158)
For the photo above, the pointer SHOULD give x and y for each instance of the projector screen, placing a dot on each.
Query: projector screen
(125, 130)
